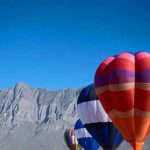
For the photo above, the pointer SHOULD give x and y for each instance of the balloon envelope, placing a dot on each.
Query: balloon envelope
(123, 86)
(71, 140)
(96, 121)
(84, 138)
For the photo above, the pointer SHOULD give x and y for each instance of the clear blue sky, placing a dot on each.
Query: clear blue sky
(59, 43)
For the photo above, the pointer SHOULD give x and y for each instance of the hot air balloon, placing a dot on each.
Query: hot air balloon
(96, 121)
(84, 138)
(71, 140)
(122, 85)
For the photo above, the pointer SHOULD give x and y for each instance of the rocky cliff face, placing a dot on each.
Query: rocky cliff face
(34, 118)
(26, 111)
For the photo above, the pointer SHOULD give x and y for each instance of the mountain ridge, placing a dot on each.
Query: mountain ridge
(36, 118)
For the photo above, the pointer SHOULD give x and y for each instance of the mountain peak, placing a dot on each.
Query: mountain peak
(21, 85)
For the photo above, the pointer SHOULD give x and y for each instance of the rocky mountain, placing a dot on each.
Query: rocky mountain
(34, 118)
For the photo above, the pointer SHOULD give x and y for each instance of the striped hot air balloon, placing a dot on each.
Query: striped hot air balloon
(84, 138)
(123, 87)
(71, 140)
(96, 121)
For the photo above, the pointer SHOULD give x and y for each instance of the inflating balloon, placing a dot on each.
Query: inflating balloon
(123, 87)
(96, 121)
(84, 138)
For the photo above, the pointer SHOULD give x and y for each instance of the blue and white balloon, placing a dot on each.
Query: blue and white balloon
(84, 138)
